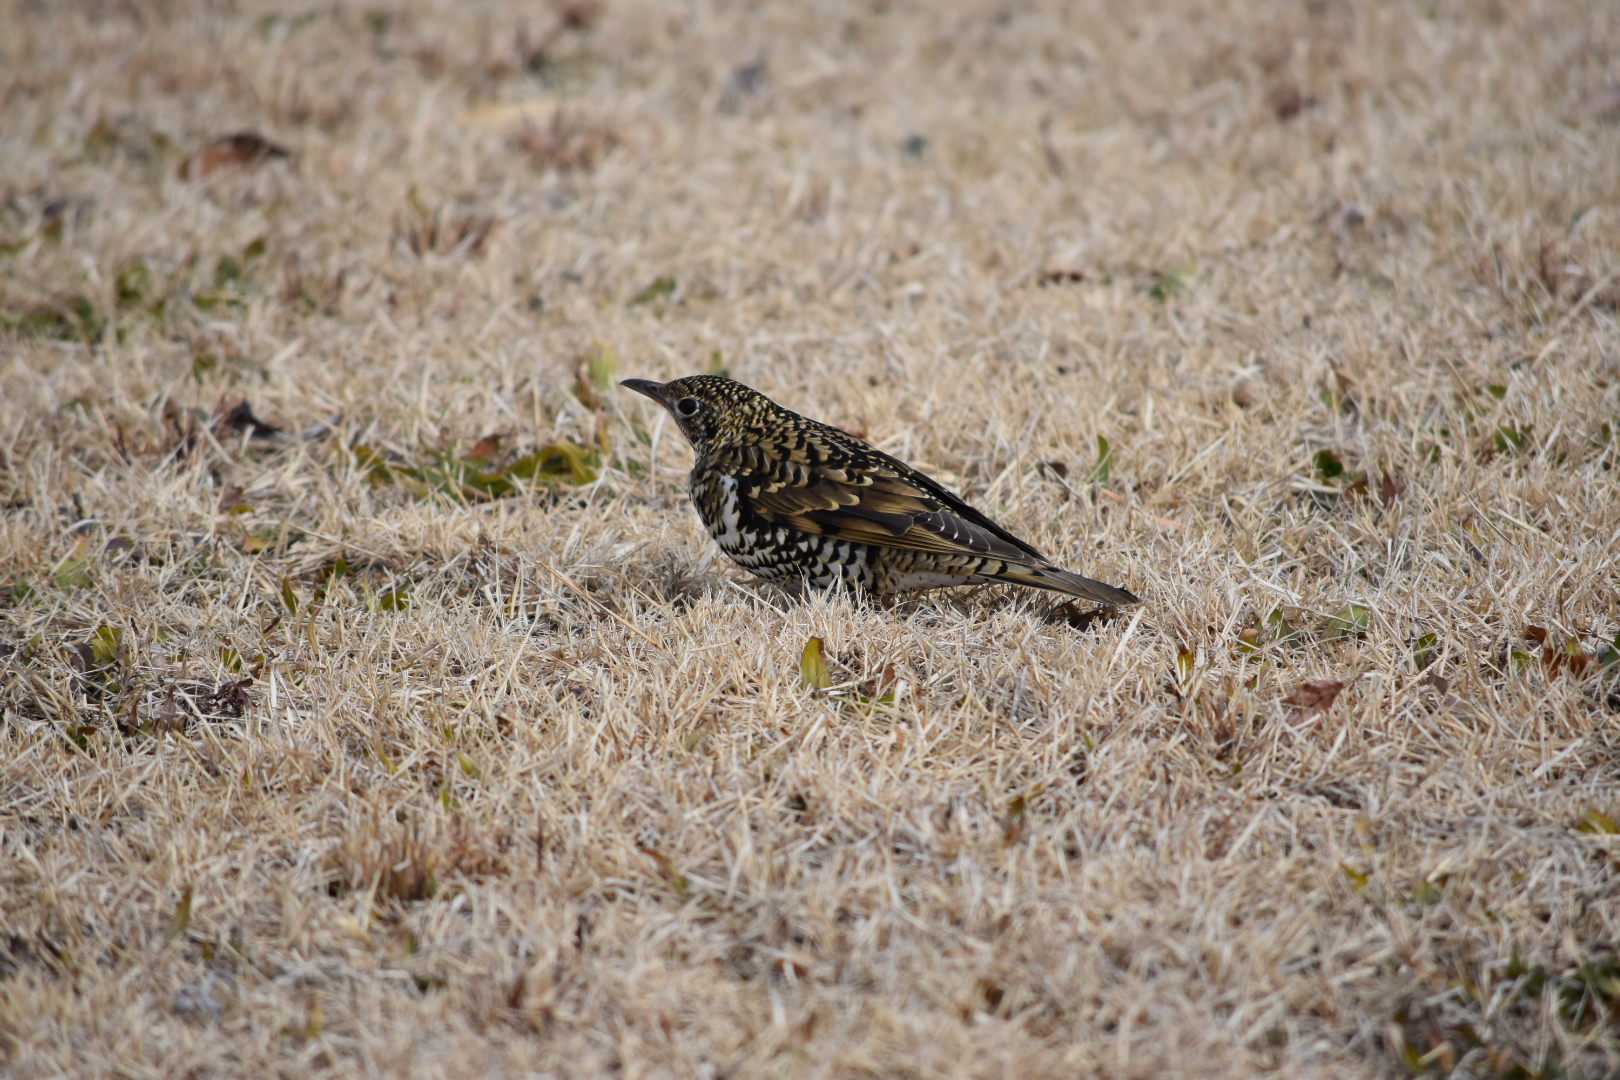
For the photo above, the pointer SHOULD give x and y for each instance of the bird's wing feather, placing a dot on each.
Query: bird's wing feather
(888, 504)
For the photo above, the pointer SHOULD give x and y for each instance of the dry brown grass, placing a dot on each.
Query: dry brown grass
(407, 722)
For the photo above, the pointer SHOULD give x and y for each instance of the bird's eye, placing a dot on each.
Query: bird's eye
(687, 406)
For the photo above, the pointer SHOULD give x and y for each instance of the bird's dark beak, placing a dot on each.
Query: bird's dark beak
(654, 390)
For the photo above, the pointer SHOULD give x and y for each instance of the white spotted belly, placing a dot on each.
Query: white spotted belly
(777, 552)
(727, 528)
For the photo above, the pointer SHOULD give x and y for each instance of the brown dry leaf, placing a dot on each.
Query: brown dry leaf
(238, 150)
(1390, 487)
(880, 688)
(578, 15)
(230, 699)
(1556, 659)
(239, 418)
(1015, 823)
(487, 447)
(232, 500)
(1288, 101)
(259, 541)
(1313, 697)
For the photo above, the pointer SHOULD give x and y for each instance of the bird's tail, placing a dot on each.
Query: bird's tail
(1050, 577)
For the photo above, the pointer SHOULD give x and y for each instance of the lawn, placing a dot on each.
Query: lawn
(372, 700)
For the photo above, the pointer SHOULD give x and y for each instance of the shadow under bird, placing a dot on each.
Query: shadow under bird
(789, 498)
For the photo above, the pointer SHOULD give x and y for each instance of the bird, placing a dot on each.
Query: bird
(791, 499)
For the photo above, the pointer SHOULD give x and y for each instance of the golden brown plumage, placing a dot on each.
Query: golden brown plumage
(788, 497)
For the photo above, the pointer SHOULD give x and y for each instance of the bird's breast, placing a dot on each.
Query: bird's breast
(725, 525)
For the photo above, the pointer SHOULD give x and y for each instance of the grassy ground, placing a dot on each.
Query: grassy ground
(403, 719)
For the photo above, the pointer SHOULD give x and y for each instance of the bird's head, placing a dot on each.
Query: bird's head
(707, 407)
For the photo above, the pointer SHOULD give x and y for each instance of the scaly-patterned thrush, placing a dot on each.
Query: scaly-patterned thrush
(789, 498)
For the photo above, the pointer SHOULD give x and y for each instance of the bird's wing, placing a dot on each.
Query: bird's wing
(887, 504)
